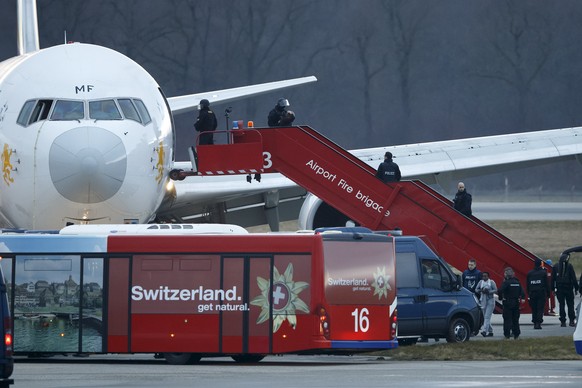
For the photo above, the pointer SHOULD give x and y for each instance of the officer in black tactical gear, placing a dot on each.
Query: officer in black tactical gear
(512, 295)
(388, 171)
(538, 291)
(206, 122)
(279, 116)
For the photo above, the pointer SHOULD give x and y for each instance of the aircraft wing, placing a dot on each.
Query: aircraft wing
(440, 162)
(199, 198)
(182, 104)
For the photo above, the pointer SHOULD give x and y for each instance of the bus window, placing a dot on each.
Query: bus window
(92, 305)
(351, 281)
(46, 303)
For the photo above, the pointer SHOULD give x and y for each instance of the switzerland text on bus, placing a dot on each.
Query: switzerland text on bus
(187, 296)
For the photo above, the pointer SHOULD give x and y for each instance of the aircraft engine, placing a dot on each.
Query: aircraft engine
(315, 213)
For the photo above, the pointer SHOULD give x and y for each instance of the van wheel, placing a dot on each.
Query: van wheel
(181, 358)
(459, 331)
(248, 358)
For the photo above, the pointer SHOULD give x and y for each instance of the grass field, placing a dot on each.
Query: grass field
(546, 239)
(545, 348)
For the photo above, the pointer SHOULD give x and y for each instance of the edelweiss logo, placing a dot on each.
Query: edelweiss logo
(381, 283)
(285, 298)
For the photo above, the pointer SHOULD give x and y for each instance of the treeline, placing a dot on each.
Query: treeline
(390, 71)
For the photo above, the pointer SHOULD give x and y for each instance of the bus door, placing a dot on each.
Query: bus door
(245, 328)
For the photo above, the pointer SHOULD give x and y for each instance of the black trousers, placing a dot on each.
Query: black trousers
(537, 302)
(511, 318)
(566, 297)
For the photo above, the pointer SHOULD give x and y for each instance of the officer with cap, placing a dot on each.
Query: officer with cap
(388, 171)
(512, 295)
(538, 291)
(206, 122)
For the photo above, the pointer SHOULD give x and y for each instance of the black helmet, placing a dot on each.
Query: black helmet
(283, 102)
(204, 103)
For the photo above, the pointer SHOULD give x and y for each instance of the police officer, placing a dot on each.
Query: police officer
(512, 295)
(279, 116)
(538, 291)
(388, 171)
(565, 284)
(206, 122)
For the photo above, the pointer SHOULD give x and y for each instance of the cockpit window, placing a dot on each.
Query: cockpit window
(68, 110)
(25, 113)
(33, 111)
(145, 116)
(38, 110)
(128, 109)
(104, 110)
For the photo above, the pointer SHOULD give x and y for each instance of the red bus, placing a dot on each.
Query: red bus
(186, 296)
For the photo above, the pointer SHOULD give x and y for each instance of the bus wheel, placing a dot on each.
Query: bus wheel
(181, 358)
(248, 358)
(459, 331)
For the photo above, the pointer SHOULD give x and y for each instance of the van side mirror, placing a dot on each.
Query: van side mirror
(459, 284)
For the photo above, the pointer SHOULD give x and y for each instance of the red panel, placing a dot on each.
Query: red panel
(306, 336)
(222, 157)
(356, 323)
(118, 305)
(232, 321)
(257, 243)
(117, 343)
(174, 333)
(232, 344)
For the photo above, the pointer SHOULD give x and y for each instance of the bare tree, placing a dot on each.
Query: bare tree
(405, 22)
(518, 43)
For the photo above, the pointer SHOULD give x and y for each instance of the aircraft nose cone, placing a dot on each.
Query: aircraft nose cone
(87, 164)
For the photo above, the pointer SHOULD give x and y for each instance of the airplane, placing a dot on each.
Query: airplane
(87, 136)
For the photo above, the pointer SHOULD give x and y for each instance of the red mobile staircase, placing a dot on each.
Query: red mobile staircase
(350, 186)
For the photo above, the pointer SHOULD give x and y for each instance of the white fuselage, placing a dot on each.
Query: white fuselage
(66, 158)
